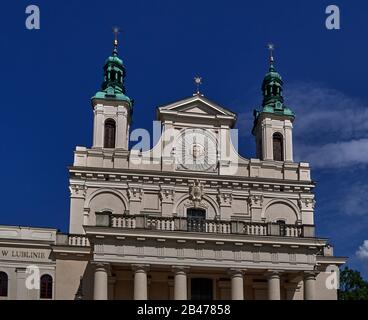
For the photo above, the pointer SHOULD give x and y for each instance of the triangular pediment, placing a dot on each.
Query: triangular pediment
(196, 105)
(196, 109)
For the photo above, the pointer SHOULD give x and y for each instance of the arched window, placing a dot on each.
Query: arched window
(196, 220)
(278, 147)
(274, 90)
(46, 287)
(3, 284)
(110, 132)
(112, 75)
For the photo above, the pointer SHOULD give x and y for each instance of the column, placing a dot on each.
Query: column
(100, 291)
(309, 285)
(274, 285)
(180, 283)
(237, 284)
(140, 281)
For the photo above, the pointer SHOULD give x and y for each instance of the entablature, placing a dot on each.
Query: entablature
(117, 178)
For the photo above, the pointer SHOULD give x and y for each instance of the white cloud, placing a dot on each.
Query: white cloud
(334, 155)
(354, 201)
(362, 252)
(327, 113)
(330, 129)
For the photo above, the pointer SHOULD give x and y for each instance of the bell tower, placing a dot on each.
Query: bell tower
(273, 123)
(111, 107)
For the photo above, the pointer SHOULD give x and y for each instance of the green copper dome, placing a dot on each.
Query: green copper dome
(114, 75)
(114, 60)
(272, 91)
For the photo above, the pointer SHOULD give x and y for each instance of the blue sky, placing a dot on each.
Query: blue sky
(48, 77)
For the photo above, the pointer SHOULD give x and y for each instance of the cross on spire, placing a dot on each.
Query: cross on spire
(271, 48)
(116, 32)
(198, 82)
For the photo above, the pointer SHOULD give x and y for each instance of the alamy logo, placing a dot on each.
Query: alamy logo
(333, 20)
(333, 278)
(33, 278)
(195, 149)
(33, 20)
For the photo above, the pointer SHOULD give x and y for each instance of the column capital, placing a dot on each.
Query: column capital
(234, 272)
(274, 273)
(310, 274)
(101, 265)
(184, 269)
(140, 267)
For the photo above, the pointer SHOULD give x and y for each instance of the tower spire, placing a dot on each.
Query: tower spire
(113, 86)
(116, 32)
(272, 91)
(271, 47)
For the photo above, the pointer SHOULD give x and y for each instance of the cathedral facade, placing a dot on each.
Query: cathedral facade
(188, 219)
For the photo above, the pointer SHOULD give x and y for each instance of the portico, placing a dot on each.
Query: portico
(148, 282)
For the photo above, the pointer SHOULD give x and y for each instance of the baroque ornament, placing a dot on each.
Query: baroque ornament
(135, 193)
(306, 203)
(167, 195)
(224, 198)
(78, 190)
(255, 200)
(196, 193)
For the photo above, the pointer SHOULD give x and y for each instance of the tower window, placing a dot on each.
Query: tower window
(110, 132)
(278, 147)
(46, 287)
(3, 284)
(112, 75)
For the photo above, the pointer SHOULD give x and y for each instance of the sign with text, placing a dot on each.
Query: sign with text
(22, 254)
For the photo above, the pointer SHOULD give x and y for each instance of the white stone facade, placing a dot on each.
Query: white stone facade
(130, 233)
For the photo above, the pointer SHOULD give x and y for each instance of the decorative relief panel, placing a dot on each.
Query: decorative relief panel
(180, 252)
(292, 257)
(196, 193)
(237, 255)
(77, 190)
(218, 256)
(167, 195)
(140, 250)
(160, 251)
(135, 193)
(224, 199)
(274, 257)
(255, 201)
(199, 252)
(218, 253)
(306, 203)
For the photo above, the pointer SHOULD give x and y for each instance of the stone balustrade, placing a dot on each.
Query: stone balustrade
(78, 240)
(208, 226)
